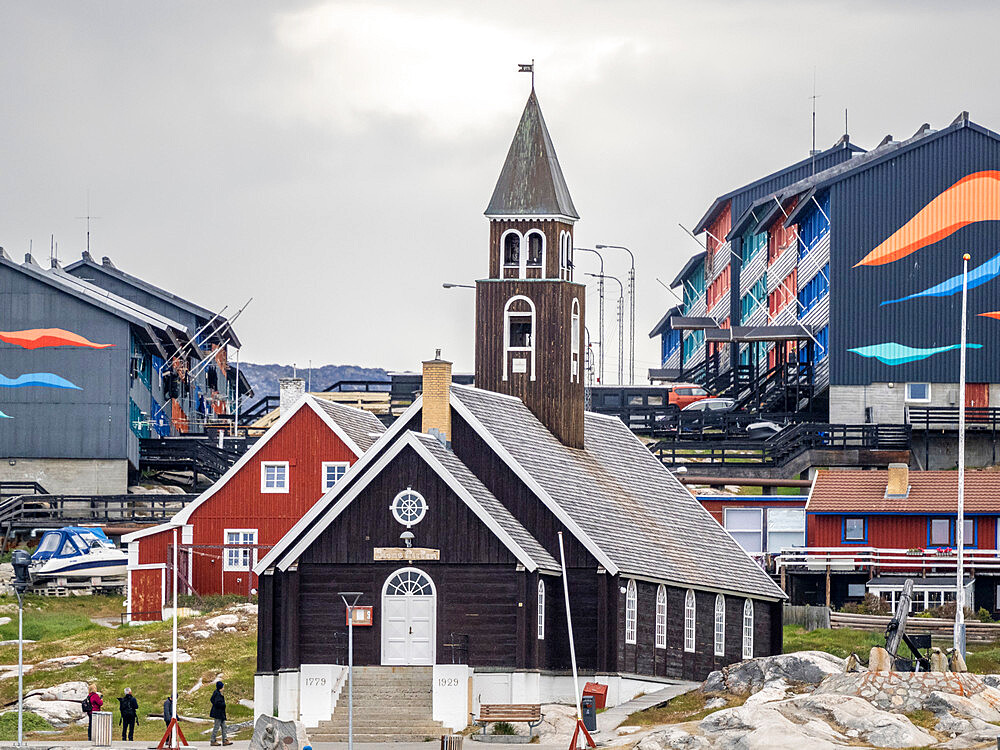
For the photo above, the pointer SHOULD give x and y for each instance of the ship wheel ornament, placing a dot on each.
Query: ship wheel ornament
(408, 507)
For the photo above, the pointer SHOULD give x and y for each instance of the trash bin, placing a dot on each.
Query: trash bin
(589, 713)
(100, 729)
(600, 693)
(451, 742)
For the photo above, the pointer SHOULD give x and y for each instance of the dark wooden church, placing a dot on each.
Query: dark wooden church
(448, 524)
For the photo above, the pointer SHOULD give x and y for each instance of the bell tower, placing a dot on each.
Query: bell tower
(529, 311)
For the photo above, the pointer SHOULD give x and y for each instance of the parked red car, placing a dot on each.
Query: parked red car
(682, 394)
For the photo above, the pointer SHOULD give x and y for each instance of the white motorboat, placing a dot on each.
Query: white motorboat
(77, 552)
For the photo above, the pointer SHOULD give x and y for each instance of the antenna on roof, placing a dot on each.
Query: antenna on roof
(88, 217)
(846, 131)
(814, 97)
(309, 377)
(528, 68)
(53, 258)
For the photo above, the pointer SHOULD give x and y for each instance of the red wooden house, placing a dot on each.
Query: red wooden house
(868, 531)
(250, 508)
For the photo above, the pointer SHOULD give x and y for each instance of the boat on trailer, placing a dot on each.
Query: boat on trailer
(77, 553)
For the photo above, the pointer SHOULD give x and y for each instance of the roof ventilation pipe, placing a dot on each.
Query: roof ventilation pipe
(290, 390)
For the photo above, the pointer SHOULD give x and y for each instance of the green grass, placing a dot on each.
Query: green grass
(30, 722)
(757, 490)
(66, 630)
(841, 642)
(687, 707)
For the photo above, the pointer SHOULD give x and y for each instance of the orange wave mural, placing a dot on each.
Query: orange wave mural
(995, 314)
(976, 197)
(40, 338)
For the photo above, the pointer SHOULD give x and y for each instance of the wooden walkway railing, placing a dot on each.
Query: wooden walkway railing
(979, 632)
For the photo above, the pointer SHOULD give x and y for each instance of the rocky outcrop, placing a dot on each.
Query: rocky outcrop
(903, 691)
(747, 677)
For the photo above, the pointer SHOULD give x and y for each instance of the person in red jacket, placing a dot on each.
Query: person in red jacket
(96, 703)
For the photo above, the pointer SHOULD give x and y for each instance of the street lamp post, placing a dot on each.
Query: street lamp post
(22, 579)
(353, 596)
(631, 314)
(959, 636)
(600, 319)
(449, 285)
(621, 326)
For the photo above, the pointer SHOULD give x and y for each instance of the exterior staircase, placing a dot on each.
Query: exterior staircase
(391, 704)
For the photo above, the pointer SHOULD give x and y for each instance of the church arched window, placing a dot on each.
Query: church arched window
(519, 336)
(565, 256)
(574, 349)
(536, 250)
(511, 255)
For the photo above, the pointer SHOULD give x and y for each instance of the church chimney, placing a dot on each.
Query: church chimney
(899, 481)
(290, 390)
(436, 411)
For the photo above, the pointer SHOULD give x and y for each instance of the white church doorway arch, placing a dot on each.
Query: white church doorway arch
(409, 618)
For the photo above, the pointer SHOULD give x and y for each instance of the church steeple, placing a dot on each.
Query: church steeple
(529, 313)
(531, 182)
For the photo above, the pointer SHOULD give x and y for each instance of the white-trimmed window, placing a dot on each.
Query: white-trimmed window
(242, 557)
(918, 393)
(510, 253)
(689, 621)
(720, 625)
(748, 629)
(536, 250)
(565, 256)
(519, 336)
(541, 610)
(332, 472)
(409, 507)
(786, 529)
(746, 527)
(631, 612)
(574, 337)
(274, 476)
(661, 616)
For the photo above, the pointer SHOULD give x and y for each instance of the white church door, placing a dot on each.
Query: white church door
(409, 618)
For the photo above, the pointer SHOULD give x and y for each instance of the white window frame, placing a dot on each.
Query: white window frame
(720, 625)
(748, 629)
(507, 315)
(283, 489)
(661, 616)
(746, 513)
(565, 256)
(541, 610)
(574, 337)
(237, 551)
(527, 248)
(345, 465)
(690, 621)
(631, 612)
(911, 400)
(521, 258)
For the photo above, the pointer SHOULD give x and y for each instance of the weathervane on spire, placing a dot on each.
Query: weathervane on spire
(528, 68)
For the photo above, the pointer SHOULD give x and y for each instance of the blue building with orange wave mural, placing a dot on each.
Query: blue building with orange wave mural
(92, 360)
(850, 276)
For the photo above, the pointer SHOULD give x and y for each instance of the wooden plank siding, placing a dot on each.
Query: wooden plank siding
(551, 231)
(892, 531)
(552, 396)
(644, 657)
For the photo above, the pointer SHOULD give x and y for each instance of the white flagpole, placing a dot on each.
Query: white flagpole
(569, 626)
(959, 637)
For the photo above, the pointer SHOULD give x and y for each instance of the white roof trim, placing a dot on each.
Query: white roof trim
(812, 488)
(522, 557)
(149, 531)
(535, 487)
(278, 550)
(182, 518)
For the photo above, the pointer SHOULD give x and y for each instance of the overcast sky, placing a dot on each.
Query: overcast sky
(332, 160)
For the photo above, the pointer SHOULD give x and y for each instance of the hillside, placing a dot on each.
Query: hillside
(264, 378)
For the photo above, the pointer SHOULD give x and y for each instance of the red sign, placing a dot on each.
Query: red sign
(362, 616)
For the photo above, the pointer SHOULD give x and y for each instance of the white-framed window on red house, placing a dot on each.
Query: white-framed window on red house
(240, 557)
(332, 472)
(273, 476)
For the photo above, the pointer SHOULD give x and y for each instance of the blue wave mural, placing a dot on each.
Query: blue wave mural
(41, 379)
(977, 276)
(5, 416)
(899, 354)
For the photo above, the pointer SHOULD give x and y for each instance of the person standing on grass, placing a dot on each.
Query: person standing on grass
(168, 710)
(218, 713)
(95, 705)
(129, 708)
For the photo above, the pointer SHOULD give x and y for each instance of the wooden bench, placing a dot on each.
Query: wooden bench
(530, 713)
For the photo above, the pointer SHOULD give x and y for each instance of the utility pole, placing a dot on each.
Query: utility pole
(621, 326)
(600, 322)
(631, 314)
(959, 635)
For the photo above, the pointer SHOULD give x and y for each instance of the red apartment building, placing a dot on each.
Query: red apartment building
(221, 534)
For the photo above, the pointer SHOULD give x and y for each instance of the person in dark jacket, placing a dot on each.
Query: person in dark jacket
(168, 710)
(129, 708)
(96, 702)
(218, 713)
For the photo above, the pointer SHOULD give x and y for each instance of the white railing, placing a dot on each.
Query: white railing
(698, 307)
(821, 374)
(720, 260)
(696, 359)
(752, 271)
(817, 257)
(782, 266)
(673, 362)
(819, 314)
(720, 310)
(758, 317)
(817, 559)
(787, 315)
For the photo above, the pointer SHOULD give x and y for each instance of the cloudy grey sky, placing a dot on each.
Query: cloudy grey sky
(333, 159)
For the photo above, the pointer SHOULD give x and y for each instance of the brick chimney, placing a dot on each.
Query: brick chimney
(290, 390)
(436, 410)
(899, 481)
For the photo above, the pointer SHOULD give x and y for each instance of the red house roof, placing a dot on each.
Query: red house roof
(929, 492)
